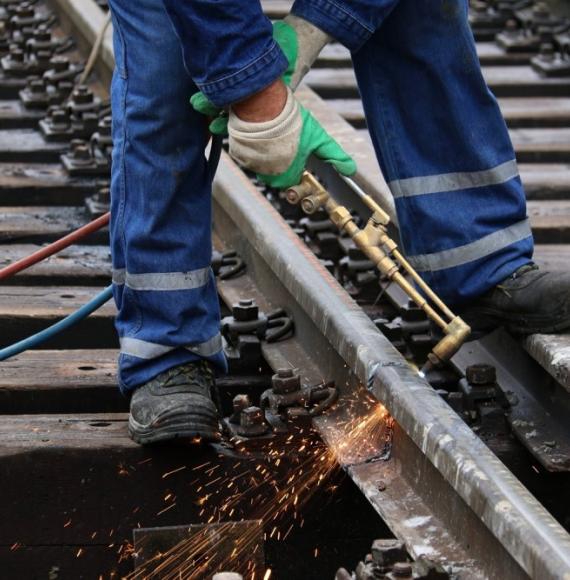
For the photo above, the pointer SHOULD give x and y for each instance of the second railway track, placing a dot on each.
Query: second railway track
(442, 475)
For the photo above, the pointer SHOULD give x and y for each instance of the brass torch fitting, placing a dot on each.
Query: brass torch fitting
(298, 192)
(456, 333)
(374, 241)
(313, 202)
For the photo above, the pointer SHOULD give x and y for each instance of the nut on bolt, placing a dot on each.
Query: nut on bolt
(481, 374)
(245, 310)
(252, 423)
(286, 381)
(386, 553)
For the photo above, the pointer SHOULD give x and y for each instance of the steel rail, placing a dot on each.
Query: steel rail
(441, 480)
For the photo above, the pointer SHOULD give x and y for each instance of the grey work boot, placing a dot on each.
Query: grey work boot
(528, 301)
(177, 404)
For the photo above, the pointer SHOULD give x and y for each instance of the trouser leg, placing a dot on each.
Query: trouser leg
(444, 149)
(168, 311)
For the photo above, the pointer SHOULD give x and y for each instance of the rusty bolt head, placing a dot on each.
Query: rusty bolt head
(252, 422)
(386, 553)
(82, 95)
(252, 416)
(59, 63)
(37, 86)
(402, 570)
(245, 311)
(481, 374)
(43, 56)
(547, 50)
(82, 153)
(540, 10)
(104, 126)
(285, 381)
(60, 118)
(104, 195)
(65, 87)
(16, 54)
(25, 11)
(77, 143)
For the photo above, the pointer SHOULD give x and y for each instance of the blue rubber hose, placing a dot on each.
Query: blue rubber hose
(46, 334)
(96, 303)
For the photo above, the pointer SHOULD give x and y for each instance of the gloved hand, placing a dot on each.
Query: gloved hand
(278, 150)
(301, 43)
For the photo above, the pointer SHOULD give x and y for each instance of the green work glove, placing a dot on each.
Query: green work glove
(278, 150)
(219, 124)
(301, 43)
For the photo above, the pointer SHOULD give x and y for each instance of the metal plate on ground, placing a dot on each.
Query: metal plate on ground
(199, 550)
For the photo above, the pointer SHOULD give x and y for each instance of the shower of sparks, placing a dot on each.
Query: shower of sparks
(274, 490)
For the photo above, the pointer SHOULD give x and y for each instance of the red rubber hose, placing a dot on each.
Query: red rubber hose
(55, 247)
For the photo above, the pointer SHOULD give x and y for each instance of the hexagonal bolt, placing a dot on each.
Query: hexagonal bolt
(80, 152)
(16, 54)
(25, 11)
(252, 422)
(285, 381)
(59, 63)
(104, 195)
(42, 34)
(105, 126)
(386, 553)
(82, 95)
(481, 374)
(245, 311)
(546, 51)
(60, 119)
(36, 85)
(43, 58)
(540, 11)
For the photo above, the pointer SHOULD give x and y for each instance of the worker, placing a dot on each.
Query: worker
(437, 130)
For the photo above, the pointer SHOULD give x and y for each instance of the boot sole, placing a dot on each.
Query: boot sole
(190, 429)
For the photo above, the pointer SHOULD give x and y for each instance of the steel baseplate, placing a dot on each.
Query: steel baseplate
(199, 550)
(537, 415)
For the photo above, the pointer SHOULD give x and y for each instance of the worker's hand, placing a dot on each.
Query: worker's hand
(301, 43)
(278, 150)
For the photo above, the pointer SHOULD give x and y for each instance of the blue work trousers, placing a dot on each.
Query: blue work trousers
(439, 136)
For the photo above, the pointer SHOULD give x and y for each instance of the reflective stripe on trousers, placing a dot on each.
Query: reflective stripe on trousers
(444, 149)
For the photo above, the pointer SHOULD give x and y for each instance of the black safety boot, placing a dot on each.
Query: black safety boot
(527, 302)
(177, 404)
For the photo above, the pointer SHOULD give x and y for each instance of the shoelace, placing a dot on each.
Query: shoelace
(197, 374)
(516, 275)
